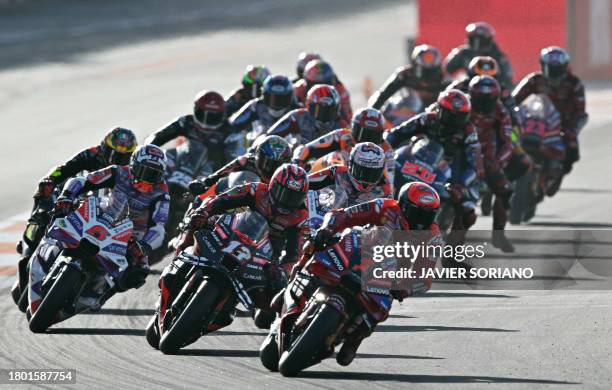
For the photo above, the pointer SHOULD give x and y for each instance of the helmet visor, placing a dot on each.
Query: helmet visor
(323, 112)
(478, 42)
(554, 71)
(366, 174)
(114, 157)
(364, 134)
(450, 118)
(277, 101)
(209, 118)
(286, 200)
(268, 165)
(147, 174)
(418, 217)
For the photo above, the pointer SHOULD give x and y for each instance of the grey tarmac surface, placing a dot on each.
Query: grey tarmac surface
(68, 74)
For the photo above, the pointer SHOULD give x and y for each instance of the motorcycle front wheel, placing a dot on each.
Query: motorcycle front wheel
(201, 304)
(306, 350)
(63, 290)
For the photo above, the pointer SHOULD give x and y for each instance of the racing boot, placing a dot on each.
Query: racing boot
(486, 203)
(351, 344)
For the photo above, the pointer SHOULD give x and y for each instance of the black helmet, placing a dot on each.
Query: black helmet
(271, 153)
(554, 62)
(278, 95)
(484, 94)
(118, 145)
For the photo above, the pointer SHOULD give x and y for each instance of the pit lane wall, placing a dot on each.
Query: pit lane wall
(523, 27)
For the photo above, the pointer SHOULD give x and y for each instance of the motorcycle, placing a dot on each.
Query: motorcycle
(403, 105)
(186, 162)
(90, 249)
(324, 302)
(541, 139)
(201, 287)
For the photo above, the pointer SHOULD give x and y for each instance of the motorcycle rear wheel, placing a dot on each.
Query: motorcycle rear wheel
(62, 291)
(305, 351)
(152, 332)
(201, 304)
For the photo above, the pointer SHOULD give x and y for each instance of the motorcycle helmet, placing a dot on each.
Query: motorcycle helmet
(426, 61)
(368, 125)
(366, 166)
(118, 145)
(419, 203)
(253, 79)
(484, 94)
(303, 59)
(209, 110)
(147, 167)
(483, 66)
(480, 36)
(453, 110)
(323, 103)
(318, 72)
(287, 188)
(554, 62)
(271, 153)
(278, 95)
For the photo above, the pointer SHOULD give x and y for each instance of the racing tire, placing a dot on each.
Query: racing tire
(152, 332)
(201, 304)
(305, 351)
(268, 353)
(263, 319)
(62, 291)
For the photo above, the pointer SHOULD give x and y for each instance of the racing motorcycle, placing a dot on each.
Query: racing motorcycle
(541, 139)
(403, 105)
(324, 302)
(200, 289)
(90, 247)
(187, 162)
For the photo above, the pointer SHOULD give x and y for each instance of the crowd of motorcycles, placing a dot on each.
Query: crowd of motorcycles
(225, 268)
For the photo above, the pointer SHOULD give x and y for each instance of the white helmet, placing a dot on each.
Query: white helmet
(148, 165)
(366, 166)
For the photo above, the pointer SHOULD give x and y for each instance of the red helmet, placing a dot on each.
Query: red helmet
(209, 109)
(426, 61)
(323, 102)
(419, 203)
(318, 72)
(303, 59)
(483, 65)
(368, 125)
(453, 109)
(287, 188)
(484, 92)
(480, 36)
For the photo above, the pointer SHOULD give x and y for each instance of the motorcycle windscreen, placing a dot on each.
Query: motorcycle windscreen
(252, 224)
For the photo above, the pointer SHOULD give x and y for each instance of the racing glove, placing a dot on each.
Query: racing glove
(198, 187)
(198, 220)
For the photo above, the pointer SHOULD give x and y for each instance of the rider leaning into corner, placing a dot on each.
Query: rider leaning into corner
(362, 177)
(318, 71)
(278, 99)
(415, 210)
(480, 42)
(447, 122)
(493, 123)
(137, 191)
(207, 126)
(270, 153)
(519, 162)
(252, 85)
(115, 149)
(423, 75)
(566, 91)
(320, 116)
(368, 125)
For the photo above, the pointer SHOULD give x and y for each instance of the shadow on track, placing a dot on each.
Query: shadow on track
(437, 328)
(98, 331)
(433, 294)
(238, 333)
(124, 312)
(377, 376)
(220, 352)
(390, 356)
